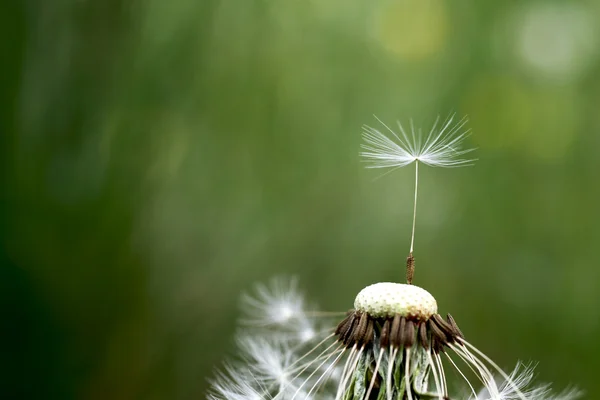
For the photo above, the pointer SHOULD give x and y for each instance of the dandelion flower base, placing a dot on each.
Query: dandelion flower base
(387, 299)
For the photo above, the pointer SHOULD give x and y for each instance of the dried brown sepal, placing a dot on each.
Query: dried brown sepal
(384, 341)
(402, 332)
(436, 345)
(342, 325)
(348, 326)
(395, 330)
(452, 322)
(409, 334)
(346, 333)
(361, 328)
(423, 334)
(444, 326)
(437, 333)
(368, 338)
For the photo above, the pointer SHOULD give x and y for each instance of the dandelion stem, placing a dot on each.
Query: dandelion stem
(410, 261)
(412, 239)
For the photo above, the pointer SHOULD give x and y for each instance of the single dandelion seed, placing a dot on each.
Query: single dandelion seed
(441, 148)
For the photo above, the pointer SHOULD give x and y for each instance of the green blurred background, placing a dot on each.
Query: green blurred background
(160, 157)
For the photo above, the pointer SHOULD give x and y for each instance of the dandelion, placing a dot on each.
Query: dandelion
(393, 345)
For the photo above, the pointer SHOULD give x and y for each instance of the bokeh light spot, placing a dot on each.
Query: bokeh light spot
(558, 41)
(411, 29)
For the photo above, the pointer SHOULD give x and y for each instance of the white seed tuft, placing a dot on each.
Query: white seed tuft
(520, 382)
(278, 303)
(386, 299)
(441, 148)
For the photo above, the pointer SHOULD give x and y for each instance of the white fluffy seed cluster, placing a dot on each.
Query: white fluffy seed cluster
(386, 299)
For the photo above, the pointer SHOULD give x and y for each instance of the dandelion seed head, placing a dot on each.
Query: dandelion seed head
(387, 299)
(392, 346)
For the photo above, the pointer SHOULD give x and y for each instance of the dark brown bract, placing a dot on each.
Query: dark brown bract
(360, 329)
